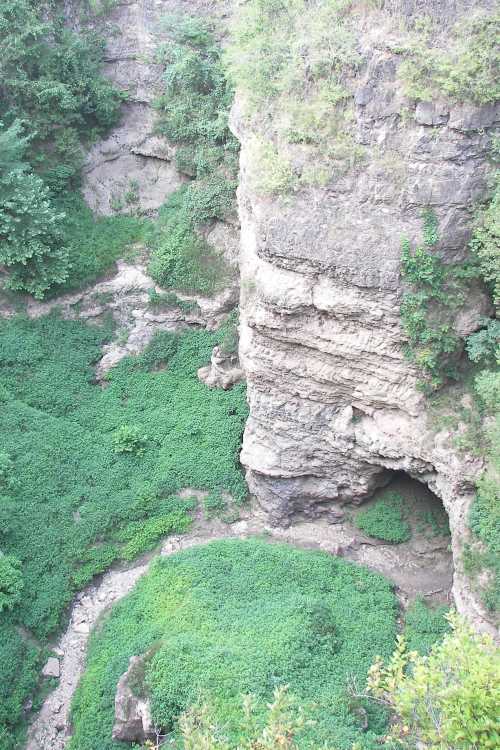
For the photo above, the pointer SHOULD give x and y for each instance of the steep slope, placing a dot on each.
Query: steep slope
(334, 403)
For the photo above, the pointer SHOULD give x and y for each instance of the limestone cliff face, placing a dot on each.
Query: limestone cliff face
(133, 157)
(334, 406)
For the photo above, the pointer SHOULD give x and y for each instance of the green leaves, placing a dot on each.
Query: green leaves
(193, 113)
(233, 618)
(52, 96)
(31, 239)
(427, 309)
(447, 700)
(11, 581)
(385, 519)
(69, 504)
(464, 69)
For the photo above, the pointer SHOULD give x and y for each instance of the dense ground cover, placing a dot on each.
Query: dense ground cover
(89, 475)
(237, 617)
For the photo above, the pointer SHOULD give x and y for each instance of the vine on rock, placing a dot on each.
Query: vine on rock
(436, 292)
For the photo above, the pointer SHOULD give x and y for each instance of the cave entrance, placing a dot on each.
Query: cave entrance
(404, 531)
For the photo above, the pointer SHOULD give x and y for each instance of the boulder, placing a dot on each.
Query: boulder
(222, 372)
(133, 721)
(52, 668)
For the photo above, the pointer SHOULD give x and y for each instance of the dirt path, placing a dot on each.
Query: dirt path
(412, 572)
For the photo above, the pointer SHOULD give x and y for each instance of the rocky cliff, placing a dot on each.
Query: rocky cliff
(334, 407)
(133, 159)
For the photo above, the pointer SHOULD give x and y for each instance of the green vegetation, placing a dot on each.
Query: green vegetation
(283, 725)
(239, 617)
(428, 310)
(53, 99)
(424, 626)
(485, 243)
(447, 700)
(464, 68)
(96, 243)
(385, 519)
(80, 486)
(193, 114)
(181, 258)
(31, 237)
(293, 62)
(162, 300)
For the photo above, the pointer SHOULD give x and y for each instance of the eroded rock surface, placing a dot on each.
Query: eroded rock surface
(133, 722)
(222, 372)
(334, 406)
(132, 166)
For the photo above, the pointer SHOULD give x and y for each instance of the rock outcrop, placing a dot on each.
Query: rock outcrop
(132, 166)
(334, 407)
(222, 372)
(133, 722)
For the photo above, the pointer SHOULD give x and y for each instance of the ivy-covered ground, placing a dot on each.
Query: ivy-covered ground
(89, 475)
(237, 617)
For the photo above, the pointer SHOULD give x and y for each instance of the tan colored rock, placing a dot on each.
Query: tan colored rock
(222, 372)
(334, 404)
(52, 668)
(133, 721)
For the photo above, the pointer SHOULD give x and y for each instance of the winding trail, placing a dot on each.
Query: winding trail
(432, 576)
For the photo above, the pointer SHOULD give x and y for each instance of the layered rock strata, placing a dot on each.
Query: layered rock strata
(334, 404)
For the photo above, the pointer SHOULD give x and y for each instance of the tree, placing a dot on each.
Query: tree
(31, 238)
(11, 581)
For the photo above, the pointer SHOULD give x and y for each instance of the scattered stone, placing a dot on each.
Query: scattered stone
(52, 668)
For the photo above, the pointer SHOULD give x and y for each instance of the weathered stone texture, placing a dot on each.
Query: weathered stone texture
(334, 405)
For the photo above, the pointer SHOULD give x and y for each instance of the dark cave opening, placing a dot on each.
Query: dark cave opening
(403, 525)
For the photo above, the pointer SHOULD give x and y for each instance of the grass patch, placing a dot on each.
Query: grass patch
(77, 490)
(386, 519)
(237, 617)
(96, 243)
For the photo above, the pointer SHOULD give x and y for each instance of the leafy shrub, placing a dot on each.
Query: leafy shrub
(51, 78)
(485, 242)
(194, 108)
(181, 258)
(242, 617)
(484, 345)
(427, 311)
(463, 69)
(170, 299)
(193, 113)
(129, 439)
(424, 626)
(385, 519)
(11, 581)
(51, 83)
(447, 700)
(32, 243)
(284, 722)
